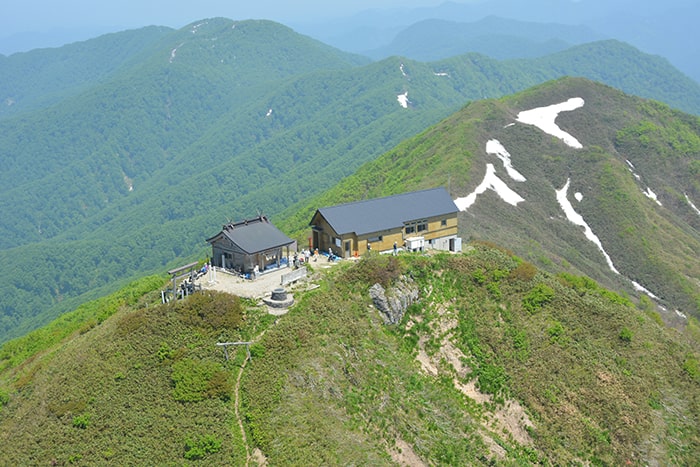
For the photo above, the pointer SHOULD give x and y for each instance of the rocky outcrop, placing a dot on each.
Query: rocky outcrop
(393, 302)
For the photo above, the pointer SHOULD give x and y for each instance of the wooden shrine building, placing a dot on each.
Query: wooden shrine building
(243, 245)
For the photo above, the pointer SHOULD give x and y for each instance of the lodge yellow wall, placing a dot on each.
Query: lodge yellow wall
(358, 244)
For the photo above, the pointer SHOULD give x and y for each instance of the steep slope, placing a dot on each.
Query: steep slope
(495, 362)
(634, 181)
(221, 119)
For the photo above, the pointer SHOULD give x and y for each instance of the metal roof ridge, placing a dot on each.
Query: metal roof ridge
(360, 201)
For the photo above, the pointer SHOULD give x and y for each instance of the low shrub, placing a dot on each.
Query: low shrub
(81, 421)
(211, 311)
(540, 295)
(691, 366)
(4, 398)
(492, 379)
(524, 272)
(375, 269)
(196, 380)
(199, 447)
(625, 335)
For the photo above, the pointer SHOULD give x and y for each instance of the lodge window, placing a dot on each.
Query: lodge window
(416, 226)
(375, 239)
(443, 222)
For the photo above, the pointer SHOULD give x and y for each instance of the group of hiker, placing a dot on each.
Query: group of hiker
(306, 256)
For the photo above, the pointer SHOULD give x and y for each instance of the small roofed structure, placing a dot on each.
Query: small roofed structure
(250, 245)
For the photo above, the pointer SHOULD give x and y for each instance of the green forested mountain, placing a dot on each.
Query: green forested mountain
(41, 77)
(610, 62)
(635, 182)
(128, 172)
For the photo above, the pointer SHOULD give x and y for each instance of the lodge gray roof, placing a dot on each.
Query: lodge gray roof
(253, 235)
(391, 212)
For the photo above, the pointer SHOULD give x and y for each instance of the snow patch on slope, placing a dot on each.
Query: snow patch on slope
(577, 219)
(695, 208)
(490, 182)
(544, 119)
(495, 148)
(403, 100)
(648, 193)
(651, 195)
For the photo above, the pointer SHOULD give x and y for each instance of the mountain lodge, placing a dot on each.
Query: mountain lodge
(417, 220)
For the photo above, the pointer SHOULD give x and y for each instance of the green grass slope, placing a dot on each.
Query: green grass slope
(496, 363)
(147, 385)
(656, 246)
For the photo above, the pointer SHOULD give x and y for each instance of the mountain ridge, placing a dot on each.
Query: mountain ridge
(149, 159)
(634, 227)
(496, 37)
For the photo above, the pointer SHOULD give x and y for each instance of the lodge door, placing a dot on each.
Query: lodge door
(316, 240)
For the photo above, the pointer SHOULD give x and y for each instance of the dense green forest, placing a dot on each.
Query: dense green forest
(33, 80)
(127, 172)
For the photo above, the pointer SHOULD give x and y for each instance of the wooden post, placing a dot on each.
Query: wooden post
(226, 344)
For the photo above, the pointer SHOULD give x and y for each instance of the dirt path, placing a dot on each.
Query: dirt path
(256, 289)
(236, 402)
(238, 415)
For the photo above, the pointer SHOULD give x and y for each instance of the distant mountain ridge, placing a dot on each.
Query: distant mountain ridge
(667, 28)
(499, 38)
(224, 119)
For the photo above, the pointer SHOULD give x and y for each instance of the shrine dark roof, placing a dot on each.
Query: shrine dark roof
(253, 235)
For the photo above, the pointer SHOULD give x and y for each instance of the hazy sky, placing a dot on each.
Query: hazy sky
(44, 15)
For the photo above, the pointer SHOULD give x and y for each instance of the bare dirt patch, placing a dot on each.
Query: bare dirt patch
(404, 454)
(510, 419)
